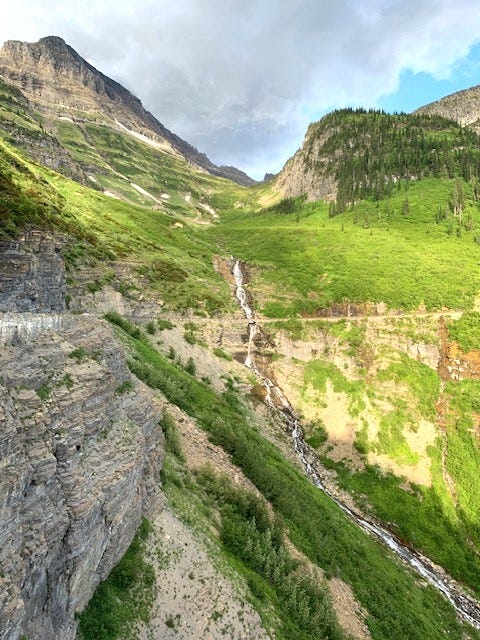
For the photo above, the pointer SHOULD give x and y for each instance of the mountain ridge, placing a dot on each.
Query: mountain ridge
(461, 106)
(60, 83)
(350, 154)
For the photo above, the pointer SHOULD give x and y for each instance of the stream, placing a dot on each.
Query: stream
(467, 608)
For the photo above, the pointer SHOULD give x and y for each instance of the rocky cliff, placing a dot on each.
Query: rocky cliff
(305, 173)
(60, 83)
(80, 450)
(32, 274)
(300, 176)
(462, 106)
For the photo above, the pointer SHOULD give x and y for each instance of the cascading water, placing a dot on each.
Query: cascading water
(467, 608)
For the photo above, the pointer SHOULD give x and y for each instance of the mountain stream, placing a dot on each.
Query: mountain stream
(467, 608)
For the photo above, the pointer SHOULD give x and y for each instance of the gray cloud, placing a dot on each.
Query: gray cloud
(241, 80)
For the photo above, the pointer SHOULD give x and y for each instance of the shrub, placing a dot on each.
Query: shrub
(150, 327)
(79, 355)
(164, 324)
(124, 387)
(220, 353)
(190, 367)
(172, 437)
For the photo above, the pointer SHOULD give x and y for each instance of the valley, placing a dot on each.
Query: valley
(187, 359)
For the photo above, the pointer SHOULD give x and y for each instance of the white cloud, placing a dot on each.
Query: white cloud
(242, 79)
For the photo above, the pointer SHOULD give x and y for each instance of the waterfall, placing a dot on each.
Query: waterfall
(467, 608)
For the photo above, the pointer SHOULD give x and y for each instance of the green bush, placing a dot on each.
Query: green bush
(172, 437)
(150, 327)
(466, 331)
(190, 367)
(126, 386)
(79, 355)
(190, 337)
(220, 353)
(124, 598)
(164, 324)
(127, 325)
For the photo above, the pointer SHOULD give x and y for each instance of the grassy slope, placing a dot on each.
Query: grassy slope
(374, 252)
(177, 260)
(397, 605)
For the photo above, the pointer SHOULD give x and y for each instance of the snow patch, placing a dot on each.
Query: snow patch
(163, 146)
(144, 193)
(111, 194)
(208, 209)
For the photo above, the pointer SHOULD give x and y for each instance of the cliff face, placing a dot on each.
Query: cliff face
(462, 106)
(303, 174)
(32, 275)
(61, 83)
(80, 449)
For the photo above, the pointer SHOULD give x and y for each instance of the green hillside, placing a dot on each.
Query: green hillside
(399, 247)
(404, 250)
(175, 257)
(369, 152)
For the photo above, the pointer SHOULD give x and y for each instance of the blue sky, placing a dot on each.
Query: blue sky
(242, 79)
(417, 89)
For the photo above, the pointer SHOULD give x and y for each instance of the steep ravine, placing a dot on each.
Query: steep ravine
(467, 608)
(80, 448)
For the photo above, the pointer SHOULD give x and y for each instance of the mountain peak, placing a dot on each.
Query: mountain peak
(60, 83)
(462, 106)
(54, 41)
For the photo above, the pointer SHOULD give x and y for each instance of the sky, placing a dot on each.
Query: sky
(242, 79)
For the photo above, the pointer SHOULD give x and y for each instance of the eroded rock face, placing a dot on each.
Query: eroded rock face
(303, 173)
(32, 275)
(462, 106)
(80, 464)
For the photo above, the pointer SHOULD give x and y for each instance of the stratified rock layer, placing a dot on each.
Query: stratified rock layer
(80, 465)
(32, 275)
(80, 447)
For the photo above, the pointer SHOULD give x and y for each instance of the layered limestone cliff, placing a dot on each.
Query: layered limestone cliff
(32, 274)
(80, 450)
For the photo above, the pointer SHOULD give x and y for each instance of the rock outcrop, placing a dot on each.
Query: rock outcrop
(32, 274)
(80, 447)
(304, 173)
(80, 461)
(462, 107)
(60, 83)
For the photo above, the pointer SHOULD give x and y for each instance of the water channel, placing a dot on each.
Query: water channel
(467, 608)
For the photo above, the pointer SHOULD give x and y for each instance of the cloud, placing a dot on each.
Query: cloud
(241, 80)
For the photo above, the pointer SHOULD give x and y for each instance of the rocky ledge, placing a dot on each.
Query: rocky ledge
(80, 452)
